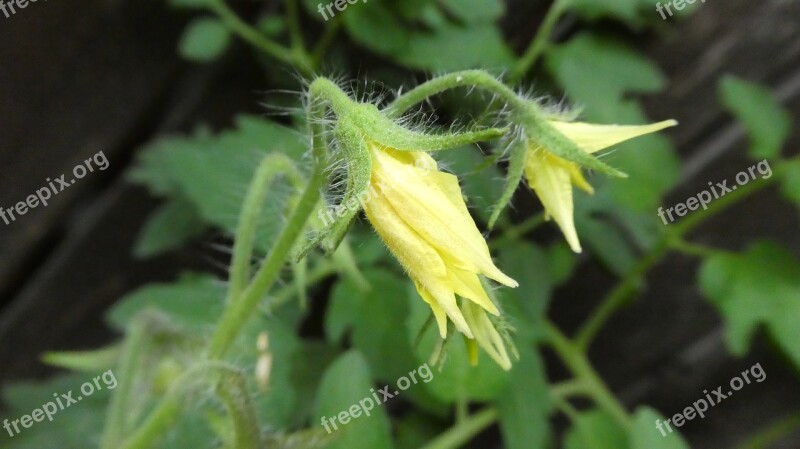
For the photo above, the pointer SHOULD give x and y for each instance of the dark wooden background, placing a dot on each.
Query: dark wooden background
(80, 77)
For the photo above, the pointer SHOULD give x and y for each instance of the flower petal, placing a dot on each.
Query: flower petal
(551, 180)
(593, 138)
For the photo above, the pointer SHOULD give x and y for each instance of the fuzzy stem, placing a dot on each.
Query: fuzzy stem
(467, 78)
(170, 406)
(240, 310)
(272, 166)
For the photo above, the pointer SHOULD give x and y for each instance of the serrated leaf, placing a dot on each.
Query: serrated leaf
(213, 172)
(760, 287)
(204, 40)
(767, 122)
(346, 383)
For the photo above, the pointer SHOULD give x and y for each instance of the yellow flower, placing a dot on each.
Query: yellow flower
(552, 177)
(420, 214)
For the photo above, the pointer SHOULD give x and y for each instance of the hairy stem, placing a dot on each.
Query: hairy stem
(272, 166)
(467, 78)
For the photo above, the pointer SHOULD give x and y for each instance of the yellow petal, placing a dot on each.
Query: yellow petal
(430, 202)
(438, 311)
(467, 285)
(551, 181)
(486, 335)
(592, 138)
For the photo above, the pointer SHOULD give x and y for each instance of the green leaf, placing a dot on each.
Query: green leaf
(170, 227)
(213, 172)
(760, 287)
(376, 319)
(790, 182)
(475, 11)
(596, 430)
(347, 386)
(538, 272)
(204, 40)
(766, 121)
(84, 361)
(598, 73)
(382, 29)
(195, 302)
(77, 426)
(630, 11)
(645, 435)
(481, 183)
(524, 406)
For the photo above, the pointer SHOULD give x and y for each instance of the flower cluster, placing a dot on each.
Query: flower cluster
(420, 213)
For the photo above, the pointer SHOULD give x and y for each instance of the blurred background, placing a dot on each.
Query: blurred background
(77, 78)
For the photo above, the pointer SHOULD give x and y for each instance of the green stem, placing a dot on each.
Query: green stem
(272, 166)
(774, 433)
(512, 233)
(575, 360)
(694, 249)
(249, 34)
(293, 17)
(240, 310)
(119, 406)
(467, 78)
(325, 41)
(170, 406)
(232, 390)
(456, 436)
(628, 286)
(285, 294)
(540, 41)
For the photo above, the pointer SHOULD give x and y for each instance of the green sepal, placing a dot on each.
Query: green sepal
(359, 171)
(516, 168)
(540, 131)
(388, 133)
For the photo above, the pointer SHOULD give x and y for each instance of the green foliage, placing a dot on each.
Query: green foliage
(760, 287)
(347, 382)
(767, 123)
(204, 40)
(392, 33)
(308, 360)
